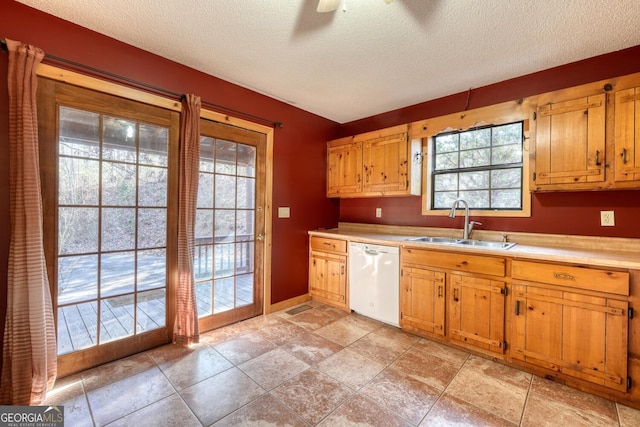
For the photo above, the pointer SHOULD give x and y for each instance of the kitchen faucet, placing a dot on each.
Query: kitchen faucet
(468, 226)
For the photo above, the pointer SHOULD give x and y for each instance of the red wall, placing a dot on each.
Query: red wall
(556, 213)
(300, 143)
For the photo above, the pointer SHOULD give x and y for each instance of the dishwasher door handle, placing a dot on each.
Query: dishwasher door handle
(372, 252)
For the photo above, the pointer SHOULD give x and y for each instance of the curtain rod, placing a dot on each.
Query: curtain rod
(3, 47)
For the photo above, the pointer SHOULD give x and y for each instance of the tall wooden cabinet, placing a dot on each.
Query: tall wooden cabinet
(328, 271)
(378, 163)
(572, 320)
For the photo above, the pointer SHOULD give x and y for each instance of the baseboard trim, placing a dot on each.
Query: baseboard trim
(288, 303)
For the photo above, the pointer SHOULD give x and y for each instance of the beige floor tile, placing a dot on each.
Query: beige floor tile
(351, 368)
(449, 411)
(363, 322)
(383, 348)
(218, 396)
(120, 398)
(116, 371)
(281, 331)
(549, 402)
(312, 348)
(344, 331)
(273, 368)
(191, 367)
(427, 368)
(264, 411)
(629, 417)
(69, 392)
(170, 411)
(496, 388)
(400, 394)
(360, 411)
(312, 395)
(245, 347)
(401, 338)
(442, 351)
(314, 318)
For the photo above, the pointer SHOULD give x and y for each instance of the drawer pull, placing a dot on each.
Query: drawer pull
(517, 308)
(563, 276)
(439, 291)
(455, 294)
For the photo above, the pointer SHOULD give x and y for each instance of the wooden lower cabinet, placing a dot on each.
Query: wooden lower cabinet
(476, 312)
(328, 271)
(585, 336)
(422, 300)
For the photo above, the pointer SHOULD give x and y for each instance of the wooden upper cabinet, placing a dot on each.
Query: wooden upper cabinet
(570, 141)
(627, 135)
(377, 163)
(344, 168)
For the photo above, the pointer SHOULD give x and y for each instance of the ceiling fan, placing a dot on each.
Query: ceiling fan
(331, 5)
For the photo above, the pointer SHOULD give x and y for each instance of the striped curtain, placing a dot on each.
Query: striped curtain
(29, 357)
(186, 329)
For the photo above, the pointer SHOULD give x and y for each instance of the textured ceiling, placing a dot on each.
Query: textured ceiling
(369, 59)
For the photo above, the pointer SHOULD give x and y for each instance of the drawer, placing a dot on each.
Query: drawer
(594, 279)
(327, 245)
(455, 261)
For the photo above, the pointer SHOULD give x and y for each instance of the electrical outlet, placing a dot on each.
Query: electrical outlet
(378, 212)
(607, 219)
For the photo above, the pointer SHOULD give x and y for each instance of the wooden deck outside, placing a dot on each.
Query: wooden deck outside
(78, 323)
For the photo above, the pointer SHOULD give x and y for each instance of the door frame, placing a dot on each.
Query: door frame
(74, 78)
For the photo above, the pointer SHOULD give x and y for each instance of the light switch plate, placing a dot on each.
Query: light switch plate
(284, 212)
(378, 212)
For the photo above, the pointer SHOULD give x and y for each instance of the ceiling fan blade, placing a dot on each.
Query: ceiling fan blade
(328, 5)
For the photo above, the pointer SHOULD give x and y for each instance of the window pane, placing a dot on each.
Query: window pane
(225, 192)
(246, 193)
(118, 184)
(152, 227)
(118, 229)
(475, 158)
(116, 318)
(474, 180)
(205, 190)
(244, 257)
(506, 178)
(117, 273)
(151, 310)
(225, 157)
(245, 228)
(78, 181)
(447, 161)
(77, 327)
(508, 134)
(152, 186)
(475, 139)
(507, 154)
(225, 226)
(447, 143)
(204, 223)
(476, 199)
(244, 290)
(444, 200)
(79, 133)
(223, 295)
(204, 299)
(246, 160)
(77, 278)
(77, 230)
(444, 182)
(506, 199)
(151, 269)
(118, 139)
(206, 154)
(202, 260)
(153, 145)
(224, 260)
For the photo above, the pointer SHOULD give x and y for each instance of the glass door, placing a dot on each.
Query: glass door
(112, 209)
(229, 224)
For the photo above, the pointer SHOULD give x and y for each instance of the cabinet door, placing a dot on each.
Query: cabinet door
(328, 279)
(627, 135)
(422, 300)
(570, 144)
(584, 336)
(477, 312)
(386, 164)
(344, 168)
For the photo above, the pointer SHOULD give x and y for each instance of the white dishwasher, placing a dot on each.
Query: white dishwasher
(374, 281)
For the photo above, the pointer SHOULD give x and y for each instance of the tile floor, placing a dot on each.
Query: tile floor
(322, 367)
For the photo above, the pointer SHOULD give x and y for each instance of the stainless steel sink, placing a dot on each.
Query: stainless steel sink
(486, 244)
(463, 242)
(430, 239)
